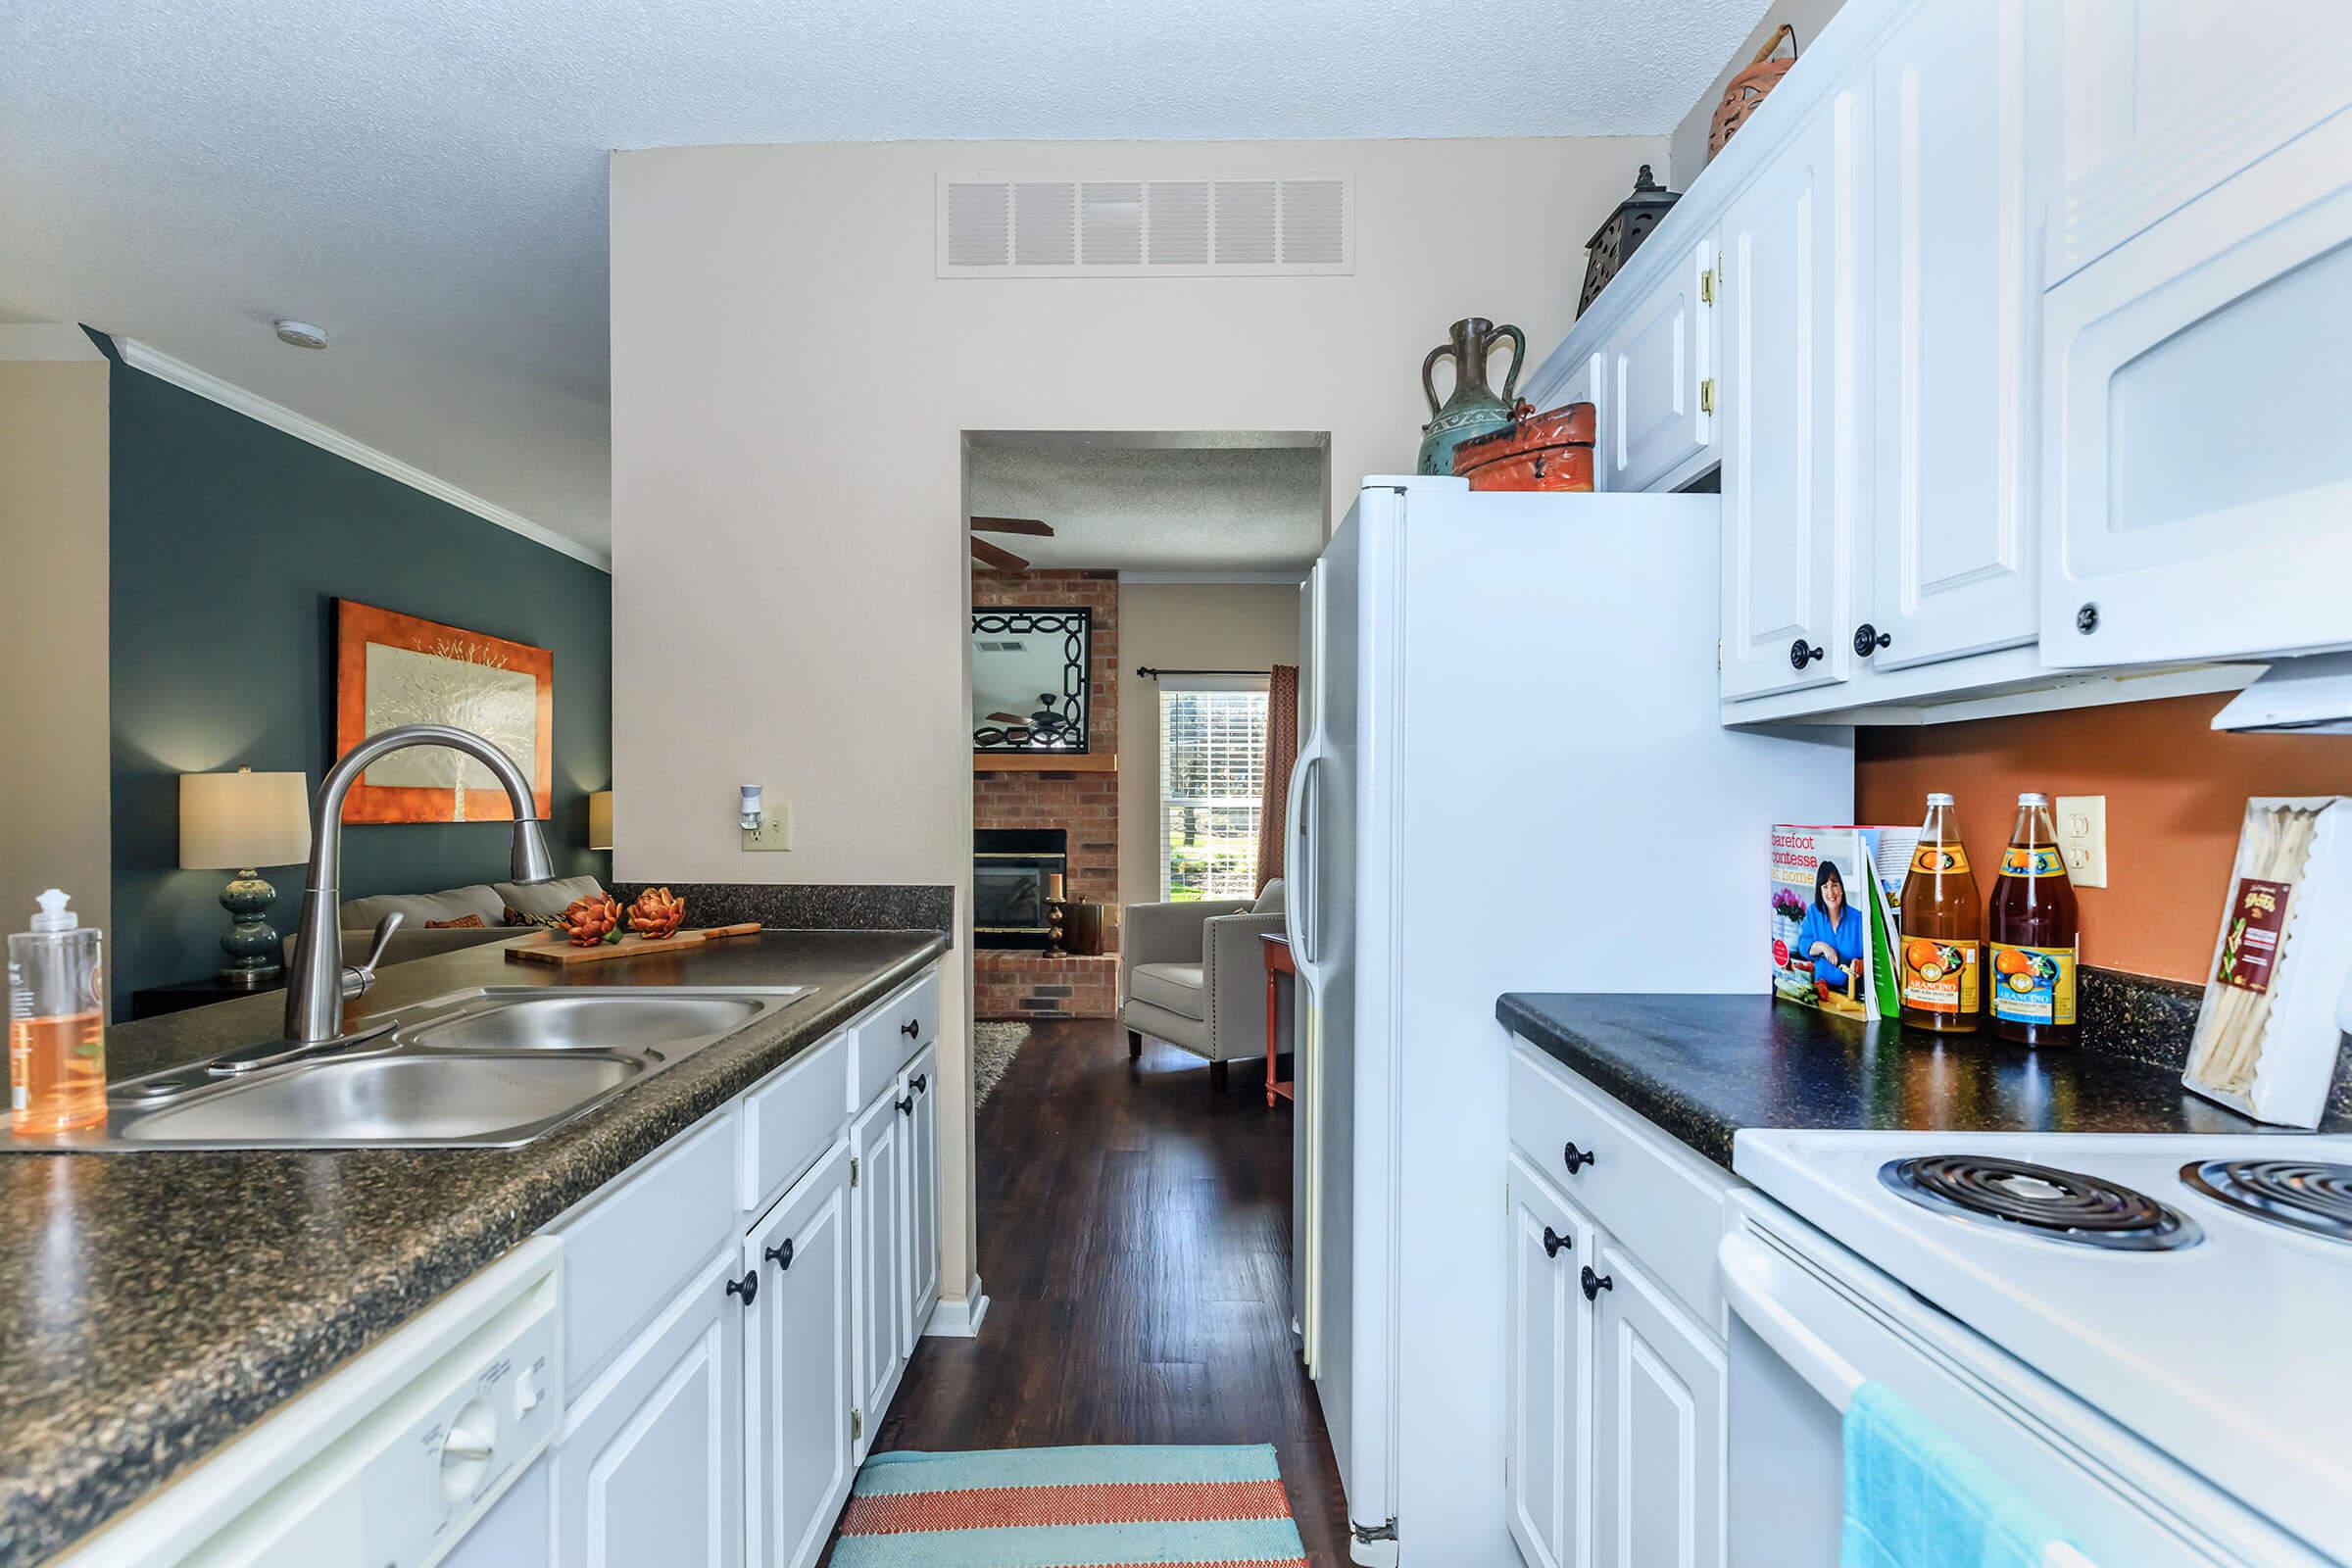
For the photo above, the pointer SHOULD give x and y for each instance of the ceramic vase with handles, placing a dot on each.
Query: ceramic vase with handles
(1473, 408)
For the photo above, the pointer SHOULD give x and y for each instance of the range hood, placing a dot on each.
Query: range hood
(2312, 695)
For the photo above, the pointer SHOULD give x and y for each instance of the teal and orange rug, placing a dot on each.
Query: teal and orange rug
(1110, 1508)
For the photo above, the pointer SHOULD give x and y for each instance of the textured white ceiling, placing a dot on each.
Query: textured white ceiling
(426, 177)
(1206, 504)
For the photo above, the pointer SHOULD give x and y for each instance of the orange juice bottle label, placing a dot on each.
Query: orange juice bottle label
(2033, 985)
(1940, 975)
(2041, 860)
(1934, 858)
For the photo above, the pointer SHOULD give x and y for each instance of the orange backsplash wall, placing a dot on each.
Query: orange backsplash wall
(2176, 791)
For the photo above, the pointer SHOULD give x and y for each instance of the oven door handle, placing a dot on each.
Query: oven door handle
(1744, 1266)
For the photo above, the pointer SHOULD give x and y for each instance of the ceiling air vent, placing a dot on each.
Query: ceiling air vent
(1254, 225)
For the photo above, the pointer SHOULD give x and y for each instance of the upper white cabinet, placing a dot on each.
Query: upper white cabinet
(1955, 192)
(1791, 307)
(1660, 368)
(2199, 469)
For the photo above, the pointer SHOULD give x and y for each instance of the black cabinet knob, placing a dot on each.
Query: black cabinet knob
(1868, 640)
(748, 1287)
(921, 1082)
(781, 1256)
(2087, 618)
(1594, 1284)
(1802, 653)
(1553, 1241)
(910, 1028)
(1577, 1158)
(907, 1106)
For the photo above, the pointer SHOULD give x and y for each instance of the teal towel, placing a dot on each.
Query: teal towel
(1914, 1499)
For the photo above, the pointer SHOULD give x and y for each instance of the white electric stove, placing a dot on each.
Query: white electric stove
(2152, 1335)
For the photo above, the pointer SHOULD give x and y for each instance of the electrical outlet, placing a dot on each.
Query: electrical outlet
(774, 832)
(2082, 838)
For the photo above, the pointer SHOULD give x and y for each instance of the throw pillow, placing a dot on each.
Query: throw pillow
(536, 902)
(464, 922)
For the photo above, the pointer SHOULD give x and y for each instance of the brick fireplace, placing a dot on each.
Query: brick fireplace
(1081, 801)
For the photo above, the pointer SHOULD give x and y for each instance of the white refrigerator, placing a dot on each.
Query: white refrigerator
(1513, 776)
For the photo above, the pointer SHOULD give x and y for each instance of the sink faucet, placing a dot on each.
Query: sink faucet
(316, 990)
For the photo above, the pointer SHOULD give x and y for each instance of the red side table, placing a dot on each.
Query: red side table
(1278, 963)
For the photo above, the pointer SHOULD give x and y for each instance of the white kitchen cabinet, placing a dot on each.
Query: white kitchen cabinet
(1793, 293)
(800, 1367)
(1614, 1449)
(878, 1254)
(1660, 367)
(2198, 467)
(1548, 1360)
(1658, 1424)
(1953, 554)
(651, 1467)
(921, 1097)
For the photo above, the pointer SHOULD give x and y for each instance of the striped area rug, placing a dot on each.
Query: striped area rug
(1105, 1507)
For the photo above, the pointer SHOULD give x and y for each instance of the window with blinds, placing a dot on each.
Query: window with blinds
(1213, 767)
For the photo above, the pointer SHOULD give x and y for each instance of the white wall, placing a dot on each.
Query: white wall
(55, 767)
(1690, 139)
(1182, 626)
(790, 384)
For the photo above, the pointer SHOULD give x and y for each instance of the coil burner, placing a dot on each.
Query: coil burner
(2300, 1195)
(2040, 1200)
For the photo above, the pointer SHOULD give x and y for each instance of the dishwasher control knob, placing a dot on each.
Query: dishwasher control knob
(530, 1390)
(465, 1451)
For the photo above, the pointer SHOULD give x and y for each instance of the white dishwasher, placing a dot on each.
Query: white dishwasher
(390, 1461)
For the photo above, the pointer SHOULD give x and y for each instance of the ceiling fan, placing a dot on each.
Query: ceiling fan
(996, 556)
(1045, 727)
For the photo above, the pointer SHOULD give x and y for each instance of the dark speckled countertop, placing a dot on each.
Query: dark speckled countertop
(1704, 1066)
(154, 1305)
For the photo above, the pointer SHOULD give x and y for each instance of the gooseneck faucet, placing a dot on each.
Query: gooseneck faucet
(319, 982)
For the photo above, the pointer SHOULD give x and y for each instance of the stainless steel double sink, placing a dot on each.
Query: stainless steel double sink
(489, 1068)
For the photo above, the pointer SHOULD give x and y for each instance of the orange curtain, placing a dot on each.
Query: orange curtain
(1282, 755)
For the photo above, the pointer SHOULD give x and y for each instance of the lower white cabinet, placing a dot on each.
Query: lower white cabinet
(877, 1140)
(726, 1429)
(1658, 1386)
(922, 1192)
(651, 1469)
(800, 1365)
(1615, 1449)
(1550, 1354)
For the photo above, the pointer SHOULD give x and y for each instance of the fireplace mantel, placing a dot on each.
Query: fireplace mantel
(1045, 762)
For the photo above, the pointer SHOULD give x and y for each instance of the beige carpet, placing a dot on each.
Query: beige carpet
(994, 1046)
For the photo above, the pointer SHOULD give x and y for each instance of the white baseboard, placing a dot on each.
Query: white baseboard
(959, 1320)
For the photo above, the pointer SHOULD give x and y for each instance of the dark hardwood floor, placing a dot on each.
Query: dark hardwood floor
(1135, 1243)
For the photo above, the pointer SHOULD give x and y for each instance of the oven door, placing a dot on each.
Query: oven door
(1810, 1323)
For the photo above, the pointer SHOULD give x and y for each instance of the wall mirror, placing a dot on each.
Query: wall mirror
(1029, 687)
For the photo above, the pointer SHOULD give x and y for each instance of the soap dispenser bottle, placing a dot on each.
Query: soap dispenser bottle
(56, 1024)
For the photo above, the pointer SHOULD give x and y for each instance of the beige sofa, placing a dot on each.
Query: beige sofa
(1194, 974)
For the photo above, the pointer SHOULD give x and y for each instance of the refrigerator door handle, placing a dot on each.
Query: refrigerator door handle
(1301, 915)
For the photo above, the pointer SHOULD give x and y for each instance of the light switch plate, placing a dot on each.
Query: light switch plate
(2082, 838)
(774, 832)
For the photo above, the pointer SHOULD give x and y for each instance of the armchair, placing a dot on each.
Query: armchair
(1194, 974)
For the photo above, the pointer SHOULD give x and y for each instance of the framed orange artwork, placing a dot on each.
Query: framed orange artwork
(392, 668)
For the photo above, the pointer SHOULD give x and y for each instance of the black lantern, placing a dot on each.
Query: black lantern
(1613, 244)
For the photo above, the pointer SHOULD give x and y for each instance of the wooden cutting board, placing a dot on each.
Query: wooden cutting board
(557, 949)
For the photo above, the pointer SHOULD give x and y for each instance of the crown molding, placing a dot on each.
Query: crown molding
(164, 367)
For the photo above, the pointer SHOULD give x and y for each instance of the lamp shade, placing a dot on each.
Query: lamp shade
(600, 819)
(230, 821)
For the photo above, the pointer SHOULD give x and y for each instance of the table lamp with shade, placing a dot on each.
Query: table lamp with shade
(237, 822)
(600, 819)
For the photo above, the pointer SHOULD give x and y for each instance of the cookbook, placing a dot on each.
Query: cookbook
(1836, 895)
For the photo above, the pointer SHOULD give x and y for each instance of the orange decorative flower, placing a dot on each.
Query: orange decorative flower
(593, 919)
(656, 913)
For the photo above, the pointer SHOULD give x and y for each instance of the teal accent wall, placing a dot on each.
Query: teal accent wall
(232, 543)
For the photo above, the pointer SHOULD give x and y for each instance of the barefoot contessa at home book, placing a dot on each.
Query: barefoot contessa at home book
(1835, 889)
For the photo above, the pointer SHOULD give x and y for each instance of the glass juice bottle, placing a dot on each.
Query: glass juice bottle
(56, 1027)
(2036, 934)
(1943, 928)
